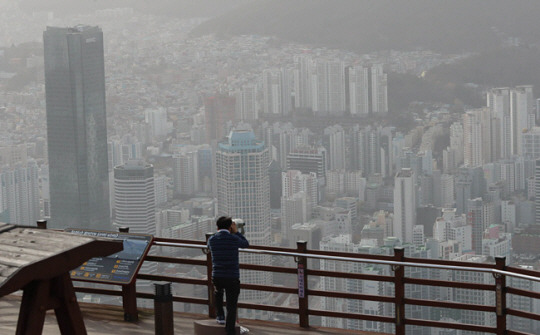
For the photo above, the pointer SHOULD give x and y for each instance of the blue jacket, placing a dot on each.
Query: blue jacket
(224, 248)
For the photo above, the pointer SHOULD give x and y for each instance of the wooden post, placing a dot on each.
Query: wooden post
(500, 295)
(399, 291)
(41, 224)
(129, 294)
(303, 298)
(56, 293)
(68, 314)
(210, 286)
(163, 308)
(33, 308)
(129, 302)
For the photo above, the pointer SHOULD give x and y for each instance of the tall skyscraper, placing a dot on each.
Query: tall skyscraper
(217, 111)
(469, 184)
(365, 153)
(134, 197)
(243, 191)
(404, 205)
(294, 209)
(367, 90)
(19, 194)
(303, 82)
(76, 127)
(242, 183)
(513, 107)
(158, 123)
(334, 140)
(379, 90)
(277, 85)
(531, 143)
(537, 191)
(309, 159)
(521, 102)
(498, 100)
(475, 218)
(477, 138)
(287, 138)
(272, 89)
(185, 171)
(274, 174)
(294, 181)
(329, 87)
(247, 108)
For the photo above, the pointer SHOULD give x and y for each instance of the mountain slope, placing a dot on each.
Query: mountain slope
(370, 25)
(177, 8)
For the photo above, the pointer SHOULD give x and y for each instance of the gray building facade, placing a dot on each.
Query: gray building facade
(76, 127)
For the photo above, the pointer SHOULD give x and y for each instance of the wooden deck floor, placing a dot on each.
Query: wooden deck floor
(108, 320)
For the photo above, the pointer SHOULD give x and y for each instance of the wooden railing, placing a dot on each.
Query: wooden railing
(398, 263)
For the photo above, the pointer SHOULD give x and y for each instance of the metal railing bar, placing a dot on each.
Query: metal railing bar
(394, 263)
(368, 317)
(281, 289)
(345, 295)
(449, 304)
(180, 245)
(349, 275)
(190, 300)
(180, 280)
(175, 260)
(521, 292)
(271, 308)
(451, 325)
(444, 283)
(523, 314)
(365, 260)
(515, 332)
(447, 262)
(255, 287)
(81, 289)
(268, 268)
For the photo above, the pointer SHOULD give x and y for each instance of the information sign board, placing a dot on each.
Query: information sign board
(119, 268)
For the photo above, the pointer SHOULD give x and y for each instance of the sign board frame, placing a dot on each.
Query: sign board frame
(120, 268)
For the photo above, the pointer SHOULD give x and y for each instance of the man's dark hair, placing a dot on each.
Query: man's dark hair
(224, 222)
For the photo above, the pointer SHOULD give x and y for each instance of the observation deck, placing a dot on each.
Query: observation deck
(108, 320)
(299, 298)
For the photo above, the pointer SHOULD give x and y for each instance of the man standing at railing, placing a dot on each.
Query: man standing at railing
(224, 247)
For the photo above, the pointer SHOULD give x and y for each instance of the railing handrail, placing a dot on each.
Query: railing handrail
(363, 260)
(398, 262)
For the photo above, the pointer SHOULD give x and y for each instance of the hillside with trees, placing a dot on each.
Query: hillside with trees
(365, 25)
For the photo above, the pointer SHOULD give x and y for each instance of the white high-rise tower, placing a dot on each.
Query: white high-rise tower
(243, 191)
(134, 197)
(404, 205)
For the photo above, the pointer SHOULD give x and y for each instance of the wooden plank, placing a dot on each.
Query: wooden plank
(29, 244)
(7, 271)
(47, 234)
(52, 266)
(22, 250)
(20, 257)
(5, 227)
(13, 262)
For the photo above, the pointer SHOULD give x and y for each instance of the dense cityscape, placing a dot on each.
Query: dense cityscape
(299, 141)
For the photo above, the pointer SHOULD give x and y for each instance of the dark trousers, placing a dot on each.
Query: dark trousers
(231, 286)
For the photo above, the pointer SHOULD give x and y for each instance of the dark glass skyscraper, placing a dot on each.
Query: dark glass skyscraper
(76, 127)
